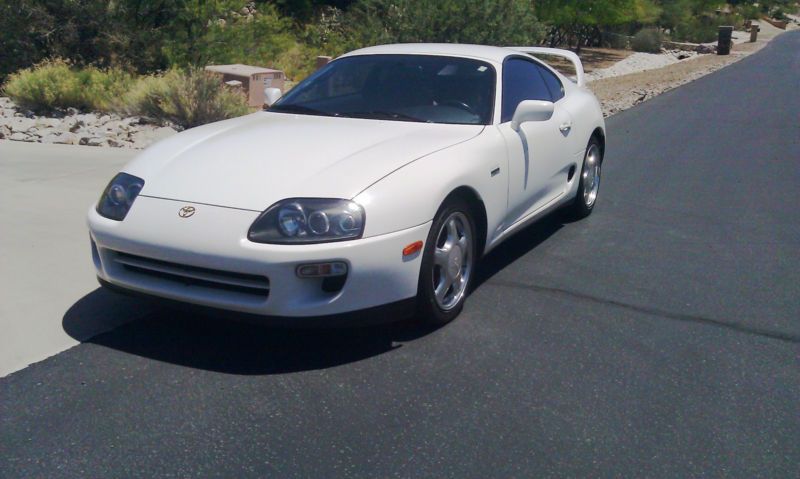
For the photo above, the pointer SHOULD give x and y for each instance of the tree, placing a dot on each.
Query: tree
(580, 22)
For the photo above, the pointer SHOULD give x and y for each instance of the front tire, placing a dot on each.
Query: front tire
(588, 182)
(448, 264)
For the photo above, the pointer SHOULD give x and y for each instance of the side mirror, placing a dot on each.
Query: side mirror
(271, 95)
(532, 110)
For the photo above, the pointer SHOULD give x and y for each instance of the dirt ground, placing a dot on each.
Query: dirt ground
(622, 92)
(592, 59)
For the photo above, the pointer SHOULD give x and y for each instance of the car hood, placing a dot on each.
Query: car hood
(253, 161)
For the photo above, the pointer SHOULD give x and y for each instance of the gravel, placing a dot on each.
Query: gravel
(639, 62)
(74, 128)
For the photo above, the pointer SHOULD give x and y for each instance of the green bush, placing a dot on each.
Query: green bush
(186, 98)
(501, 22)
(57, 85)
(704, 28)
(647, 40)
(616, 41)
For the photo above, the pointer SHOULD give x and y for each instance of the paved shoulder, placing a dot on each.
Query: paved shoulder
(45, 262)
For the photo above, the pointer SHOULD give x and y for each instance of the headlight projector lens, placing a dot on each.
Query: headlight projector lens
(318, 223)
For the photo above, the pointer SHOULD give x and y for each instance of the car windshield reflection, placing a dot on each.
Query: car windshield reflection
(417, 88)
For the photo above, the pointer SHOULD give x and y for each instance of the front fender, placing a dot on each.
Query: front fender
(412, 195)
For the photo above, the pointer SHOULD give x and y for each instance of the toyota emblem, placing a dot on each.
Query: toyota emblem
(186, 211)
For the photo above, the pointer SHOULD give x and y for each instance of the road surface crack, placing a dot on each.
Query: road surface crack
(742, 328)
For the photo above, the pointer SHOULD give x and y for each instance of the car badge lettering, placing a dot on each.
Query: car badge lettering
(186, 211)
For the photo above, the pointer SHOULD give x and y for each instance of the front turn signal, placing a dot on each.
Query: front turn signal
(412, 248)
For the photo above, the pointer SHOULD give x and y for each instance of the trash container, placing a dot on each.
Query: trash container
(725, 40)
(754, 28)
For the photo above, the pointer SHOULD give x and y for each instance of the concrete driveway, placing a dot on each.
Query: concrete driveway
(45, 261)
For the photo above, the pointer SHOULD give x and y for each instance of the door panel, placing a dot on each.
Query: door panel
(539, 154)
(539, 157)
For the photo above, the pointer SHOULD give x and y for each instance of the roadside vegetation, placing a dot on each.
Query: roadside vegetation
(185, 98)
(145, 57)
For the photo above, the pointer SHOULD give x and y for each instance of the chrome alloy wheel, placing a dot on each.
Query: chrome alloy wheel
(452, 261)
(591, 175)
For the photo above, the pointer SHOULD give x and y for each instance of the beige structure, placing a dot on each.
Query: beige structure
(253, 80)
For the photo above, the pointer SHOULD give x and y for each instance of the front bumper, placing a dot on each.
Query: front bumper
(214, 239)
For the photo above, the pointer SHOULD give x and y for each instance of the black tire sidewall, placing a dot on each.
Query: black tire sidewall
(428, 310)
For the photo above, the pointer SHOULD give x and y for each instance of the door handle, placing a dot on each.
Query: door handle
(565, 127)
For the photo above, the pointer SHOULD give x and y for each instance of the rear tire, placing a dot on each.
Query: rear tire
(588, 182)
(448, 264)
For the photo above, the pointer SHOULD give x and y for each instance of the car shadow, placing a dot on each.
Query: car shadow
(517, 246)
(194, 339)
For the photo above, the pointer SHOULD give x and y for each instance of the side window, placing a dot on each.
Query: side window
(553, 83)
(521, 81)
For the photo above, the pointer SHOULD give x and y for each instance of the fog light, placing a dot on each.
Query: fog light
(322, 270)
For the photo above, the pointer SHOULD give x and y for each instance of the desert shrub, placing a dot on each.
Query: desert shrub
(186, 98)
(647, 40)
(704, 28)
(616, 41)
(56, 85)
(749, 12)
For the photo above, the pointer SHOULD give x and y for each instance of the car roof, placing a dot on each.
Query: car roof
(494, 54)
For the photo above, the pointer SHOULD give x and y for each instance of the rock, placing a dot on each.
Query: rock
(706, 49)
(44, 122)
(21, 124)
(116, 126)
(67, 123)
(7, 112)
(118, 143)
(5, 132)
(72, 111)
(88, 119)
(19, 137)
(61, 139)
(97, 142)
(147, 137)
(74, 124)
(6, 102)
(104, 119)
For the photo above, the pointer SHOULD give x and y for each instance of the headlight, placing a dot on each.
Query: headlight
(308, 220)
(119, 195)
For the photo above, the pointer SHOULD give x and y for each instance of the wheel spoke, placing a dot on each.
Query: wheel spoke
(463, 242)
(452, 231)
(441, 289)
(440, 257)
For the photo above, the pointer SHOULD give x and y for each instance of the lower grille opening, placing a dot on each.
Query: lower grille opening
(195, 276)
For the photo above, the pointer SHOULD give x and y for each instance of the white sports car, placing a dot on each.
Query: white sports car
(377, 182)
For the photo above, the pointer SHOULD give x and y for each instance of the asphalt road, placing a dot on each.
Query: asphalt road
(658, 338)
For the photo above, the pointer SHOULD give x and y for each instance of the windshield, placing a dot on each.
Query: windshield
(431, 89)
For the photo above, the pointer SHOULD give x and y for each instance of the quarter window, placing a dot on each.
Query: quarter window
(521, 81)
(553, 83)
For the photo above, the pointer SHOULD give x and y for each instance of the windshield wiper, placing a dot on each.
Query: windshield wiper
(304, 110)
(380, 114)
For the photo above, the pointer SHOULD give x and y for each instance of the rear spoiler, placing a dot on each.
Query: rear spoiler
(572, 57)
